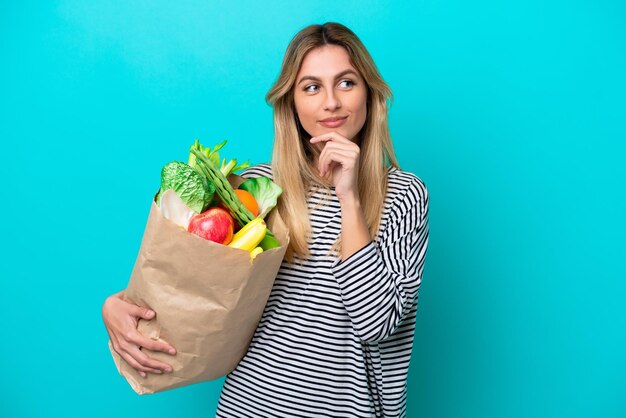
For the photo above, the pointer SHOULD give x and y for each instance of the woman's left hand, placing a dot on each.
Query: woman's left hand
(340, 159)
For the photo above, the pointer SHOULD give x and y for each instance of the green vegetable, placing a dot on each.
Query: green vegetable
(192, 188)
(269, 241)
(265, 192)
(223, 189)
(226, 193)
(214, 156)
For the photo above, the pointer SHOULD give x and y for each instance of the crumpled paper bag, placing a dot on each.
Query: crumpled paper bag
(208, 297)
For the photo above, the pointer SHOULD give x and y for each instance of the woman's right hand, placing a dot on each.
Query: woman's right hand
(121, 319)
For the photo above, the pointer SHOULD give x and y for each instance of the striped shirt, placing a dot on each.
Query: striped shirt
(335, 337)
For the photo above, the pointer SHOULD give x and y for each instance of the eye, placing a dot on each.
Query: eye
(351, 83)
(307, 88)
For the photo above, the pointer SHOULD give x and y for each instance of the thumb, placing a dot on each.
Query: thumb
(144, 313)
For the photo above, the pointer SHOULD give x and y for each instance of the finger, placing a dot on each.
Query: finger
(115, 344)
(130, 351)
(346, 148)
(132, 362)
(118, 346)
(140, 340)
(133, 344)
(341, 146)
(344, 158)
(338, 160)
(330, 136)
(149, 362)
(341, 152)
(330, 145)
(143, 312)
(331, 169)
(323, 160)
(157, 345)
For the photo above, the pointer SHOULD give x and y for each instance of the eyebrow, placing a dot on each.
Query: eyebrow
(341, 74)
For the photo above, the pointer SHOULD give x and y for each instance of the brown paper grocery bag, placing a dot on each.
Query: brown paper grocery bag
(208, 297)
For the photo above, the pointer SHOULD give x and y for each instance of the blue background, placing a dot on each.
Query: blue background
(511, 112)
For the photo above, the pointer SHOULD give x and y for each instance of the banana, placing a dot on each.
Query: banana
(249, 237)
(256, 251)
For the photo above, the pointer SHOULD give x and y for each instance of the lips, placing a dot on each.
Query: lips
(333, 122)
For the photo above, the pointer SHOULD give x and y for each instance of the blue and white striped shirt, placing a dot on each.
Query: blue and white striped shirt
(335, 338)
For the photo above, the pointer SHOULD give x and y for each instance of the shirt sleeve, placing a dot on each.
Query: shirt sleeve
(259, 170)
(379, 283)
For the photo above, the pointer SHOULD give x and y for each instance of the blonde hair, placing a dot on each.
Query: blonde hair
(292, 160)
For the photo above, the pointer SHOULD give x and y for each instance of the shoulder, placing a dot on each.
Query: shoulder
(258, 170)
(404, 185)
(405, 190)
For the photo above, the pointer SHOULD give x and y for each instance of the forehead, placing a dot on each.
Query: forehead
(325, 61)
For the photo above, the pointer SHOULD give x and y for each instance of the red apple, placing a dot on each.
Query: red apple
(214, 224)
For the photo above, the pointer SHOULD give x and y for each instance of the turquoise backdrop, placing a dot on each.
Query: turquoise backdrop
(512, 113)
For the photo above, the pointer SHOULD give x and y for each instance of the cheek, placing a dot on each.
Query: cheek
(361, 110)
(304, 112)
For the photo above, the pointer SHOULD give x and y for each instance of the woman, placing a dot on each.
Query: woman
(336, 334)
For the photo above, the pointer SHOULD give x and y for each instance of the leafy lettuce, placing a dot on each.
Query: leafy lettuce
(189, 185)
(265, 192)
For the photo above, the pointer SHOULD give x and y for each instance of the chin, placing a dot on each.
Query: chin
(341, 131)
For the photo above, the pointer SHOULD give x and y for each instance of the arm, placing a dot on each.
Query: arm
(379, 282)
(354, 231)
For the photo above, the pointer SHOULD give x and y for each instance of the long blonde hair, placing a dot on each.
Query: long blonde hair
(292, 160)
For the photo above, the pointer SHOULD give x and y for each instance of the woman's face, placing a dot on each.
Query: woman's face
(328, 86)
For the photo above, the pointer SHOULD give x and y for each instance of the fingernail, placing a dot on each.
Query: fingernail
(142, 374)
(168, 370)
(150, 313)
(172, 351)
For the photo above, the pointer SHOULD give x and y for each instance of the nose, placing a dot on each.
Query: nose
(332, 101)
